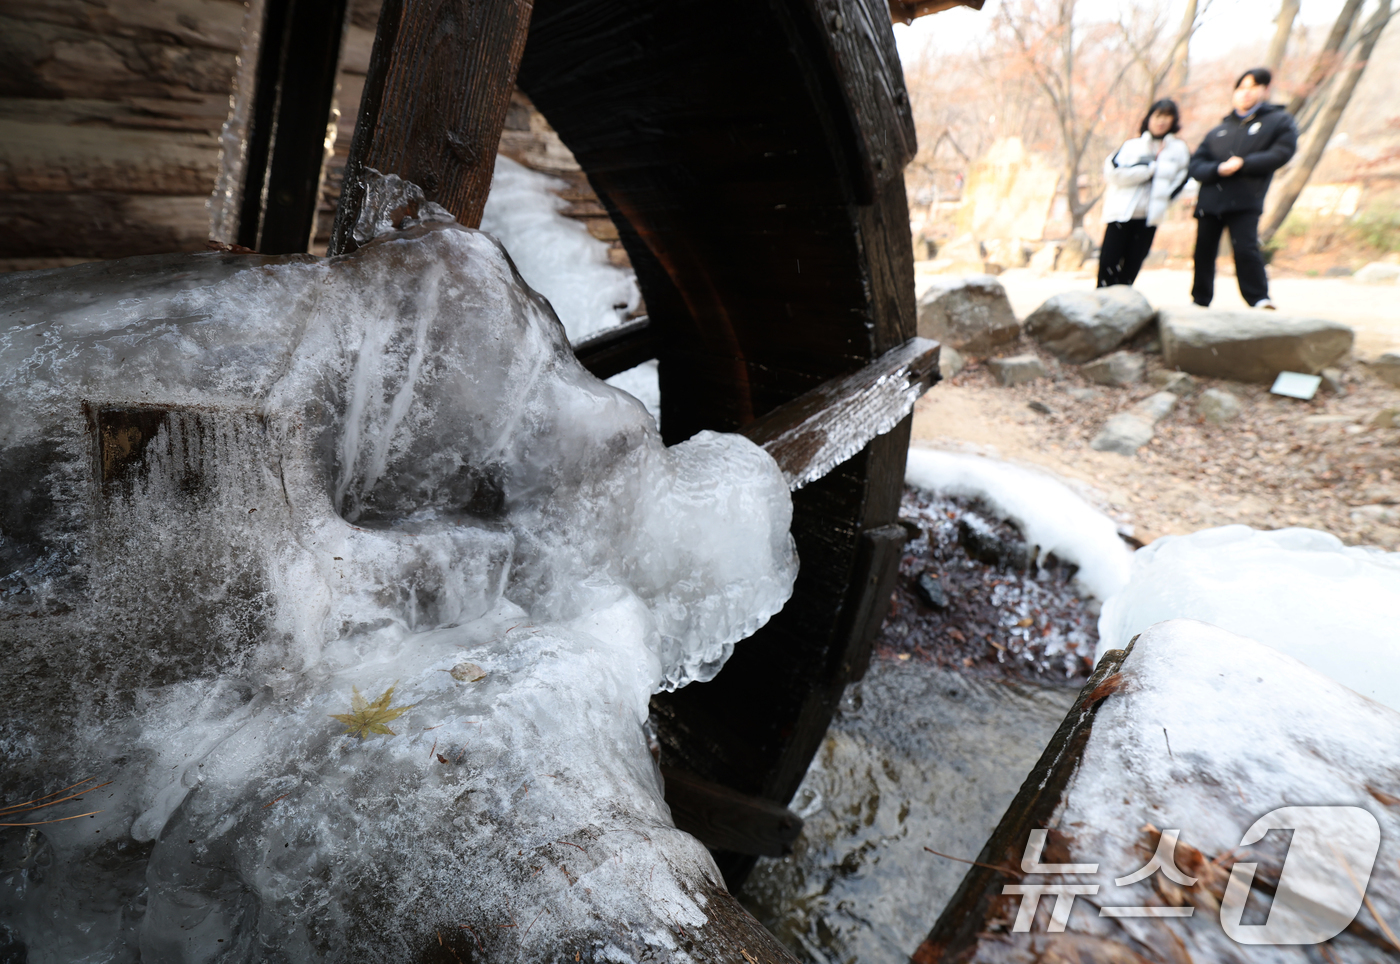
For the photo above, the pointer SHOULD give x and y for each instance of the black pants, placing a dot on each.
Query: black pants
(1249, 263)
(1125, 247)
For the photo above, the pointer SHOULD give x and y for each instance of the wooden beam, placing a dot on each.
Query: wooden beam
(812, 434)
(618, 349)
(724, 819)
(957, 930)
(297, 62)
(435, 100)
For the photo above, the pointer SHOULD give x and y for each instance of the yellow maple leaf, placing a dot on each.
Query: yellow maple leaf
(366, 719)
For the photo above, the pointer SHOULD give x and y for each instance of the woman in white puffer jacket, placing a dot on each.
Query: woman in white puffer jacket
(1143, 177)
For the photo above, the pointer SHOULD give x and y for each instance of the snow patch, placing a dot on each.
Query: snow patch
(1049, 515)
(1297, 590)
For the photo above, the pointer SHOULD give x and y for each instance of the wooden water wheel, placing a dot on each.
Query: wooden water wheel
(750, 153)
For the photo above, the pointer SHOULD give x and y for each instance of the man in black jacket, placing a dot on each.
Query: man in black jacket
(1234, 166)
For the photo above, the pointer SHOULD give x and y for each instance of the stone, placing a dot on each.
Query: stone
(1332, 381)
(1078, 326)
(931, 591)
(1178, 383)
(1378, 273)
(1249, 345)
(1156, 406)
(1076, 251)
(1384, 514)
(1044, 260)
(1082, 394)
(1018, 369)
(1007, 252)
(970, 313)
(1036, 405)
(950, 361)
(1386, 418)
(1338, 271)
(1386, 367)
(1124, 433)
(1118, 369)
(1217, 406)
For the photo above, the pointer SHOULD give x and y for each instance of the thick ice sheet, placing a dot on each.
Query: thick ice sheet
(1299, 591)
(1044, 509)
(559, 258)
(241, 489)
(1209, 732)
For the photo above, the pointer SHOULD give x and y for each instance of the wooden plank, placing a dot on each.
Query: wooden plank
(956, 931)
(811, 435)
(723, 819)
(435, 99)
(618, 349)
(297, 62)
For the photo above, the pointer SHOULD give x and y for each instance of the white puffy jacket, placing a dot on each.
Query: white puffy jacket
(1133, 174)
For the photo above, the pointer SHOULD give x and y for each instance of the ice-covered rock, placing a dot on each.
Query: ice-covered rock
(971, 314)
(1298, 590)
(256, 506)
(1215, 738)
(1078, 326)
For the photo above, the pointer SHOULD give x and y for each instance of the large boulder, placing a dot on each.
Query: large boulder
(1079, 326)
(1386, 367)
(971, 314)
(1378, 273)
(1249, 345)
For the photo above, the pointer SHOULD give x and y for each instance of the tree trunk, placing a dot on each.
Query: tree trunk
(1176, 75)
(1326, 62)
(1302, 169)
(1279, 45)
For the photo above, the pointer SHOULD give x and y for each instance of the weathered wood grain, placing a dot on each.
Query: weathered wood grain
(100, 224)
(434, 102)
(617, 350)
(963, 918)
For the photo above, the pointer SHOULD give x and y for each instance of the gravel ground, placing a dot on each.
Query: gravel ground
(1284, 462)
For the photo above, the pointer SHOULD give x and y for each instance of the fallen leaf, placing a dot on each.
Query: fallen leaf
(468, 673)
(366, 719)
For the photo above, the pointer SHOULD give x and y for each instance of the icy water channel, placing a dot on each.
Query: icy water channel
(918, 756)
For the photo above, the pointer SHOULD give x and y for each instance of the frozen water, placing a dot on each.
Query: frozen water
(241, 489)
(1048, 514)
(1300, 591)
(1209, 732)
(554, 254)
(559, 258)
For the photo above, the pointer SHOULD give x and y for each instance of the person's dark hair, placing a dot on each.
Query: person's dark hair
(1164, 106)
(1262, 76)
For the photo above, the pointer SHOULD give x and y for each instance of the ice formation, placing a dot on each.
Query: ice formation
(1208, 733)
(1299, 591)
(241, 490)
(559, 258)
(1043, 508)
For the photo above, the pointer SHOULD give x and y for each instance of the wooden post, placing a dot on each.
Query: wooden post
(435, 100)
(297, 60)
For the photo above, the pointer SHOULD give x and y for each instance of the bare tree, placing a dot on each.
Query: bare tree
(1287, 13)
(1328, 59)
(1316, 142)
(1144, 31)
(1079, 83)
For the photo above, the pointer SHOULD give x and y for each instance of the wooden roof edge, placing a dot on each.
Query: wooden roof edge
(904, 11)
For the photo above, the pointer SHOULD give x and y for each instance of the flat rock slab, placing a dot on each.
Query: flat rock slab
(971, 314)
(1249, 346)
(1129, 431)
(1119, 369)
(1017, 370)
(1082, 325)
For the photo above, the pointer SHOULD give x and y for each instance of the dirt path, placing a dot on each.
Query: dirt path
(1283, 462)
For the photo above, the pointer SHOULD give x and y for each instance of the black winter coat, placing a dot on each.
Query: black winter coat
(1265, 139)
